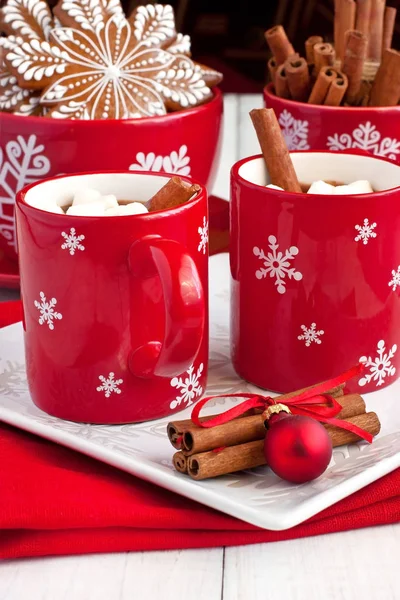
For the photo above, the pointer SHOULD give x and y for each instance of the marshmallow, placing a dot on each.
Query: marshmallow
(341, 190)
(133, 208)
(274, 187)
(49, 206)
(92, 209)
(362, 186)
(110, 201)
(322, 188)
(86, 196)
(112, 212)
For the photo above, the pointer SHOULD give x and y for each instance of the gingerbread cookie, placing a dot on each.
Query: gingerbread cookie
(23, 20)
(100, 65)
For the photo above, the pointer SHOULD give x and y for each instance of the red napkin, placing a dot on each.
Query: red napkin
(57, 501)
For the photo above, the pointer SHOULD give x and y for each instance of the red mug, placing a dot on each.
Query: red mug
(115, 308)
(374, 129)
(316, 279)
(34, 148)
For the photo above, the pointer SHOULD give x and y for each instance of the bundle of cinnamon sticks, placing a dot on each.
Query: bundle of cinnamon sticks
(359, 69)
(239, 444)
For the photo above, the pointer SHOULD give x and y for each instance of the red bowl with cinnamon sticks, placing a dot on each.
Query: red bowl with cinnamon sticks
(319, 127)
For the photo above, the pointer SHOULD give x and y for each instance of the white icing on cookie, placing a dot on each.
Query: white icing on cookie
(181, 45)
(37, 60)
(154, 24)
(28, 107)
(72, 110)
(88, 14)
(183, 83)
(28, 18)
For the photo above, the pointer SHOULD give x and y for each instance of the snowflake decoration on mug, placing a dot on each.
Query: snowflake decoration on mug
(277, 264)
(310, 334)
(295, 131)
(109, 385)
(379, 367)
(176, 162)
(203, 233)
(72, 241)
(366, 137)
(395, 281)
(365, 232)
(189, 387)
(47, 312)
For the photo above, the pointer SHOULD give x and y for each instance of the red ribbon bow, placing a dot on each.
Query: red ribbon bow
(315, 403)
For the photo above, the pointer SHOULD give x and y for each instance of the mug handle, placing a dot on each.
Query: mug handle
(184, 302)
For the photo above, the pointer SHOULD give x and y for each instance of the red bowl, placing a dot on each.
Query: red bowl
(33, 148)
(313, 127)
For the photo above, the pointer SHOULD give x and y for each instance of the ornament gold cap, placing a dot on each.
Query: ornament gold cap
(274, 409)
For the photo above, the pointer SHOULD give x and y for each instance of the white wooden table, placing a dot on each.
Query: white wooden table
(356, 565)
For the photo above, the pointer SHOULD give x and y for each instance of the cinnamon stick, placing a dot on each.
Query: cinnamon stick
(180, 462)
(345, 13)
(324, 56)
(298, 79)
(276, 154)
(389, 20)
(336, 91)
(175, 429)
(376, 29)
(231, 459)
(279, 44)
(368, 421)
(362, 98)
(363, 16)
(173, 193)
(354, 56)
(248, 429)
(281, 83)
(310, 43)
(272, 67)
(248, 456)
(321, 86)
(385, 90)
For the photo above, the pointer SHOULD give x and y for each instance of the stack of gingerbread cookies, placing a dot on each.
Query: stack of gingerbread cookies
(87, 60)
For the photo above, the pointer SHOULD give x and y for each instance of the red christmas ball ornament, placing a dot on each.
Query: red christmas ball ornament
(296, 448)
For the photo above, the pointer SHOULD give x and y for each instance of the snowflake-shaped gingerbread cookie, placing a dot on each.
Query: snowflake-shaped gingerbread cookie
(100, 65)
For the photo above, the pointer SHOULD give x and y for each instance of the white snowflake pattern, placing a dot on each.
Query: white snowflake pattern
(379, 367)
(189, 387)
(277, 264)
(176, 162)
(203, 232)
(109, 385)
(21, 162)
(72, 241)
(366, 137)
(311, 334)
(13, 379)
(365, 232)
(47, 312)
(294, 131)
(395, 281)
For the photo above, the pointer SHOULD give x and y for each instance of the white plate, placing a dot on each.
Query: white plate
(256, 496)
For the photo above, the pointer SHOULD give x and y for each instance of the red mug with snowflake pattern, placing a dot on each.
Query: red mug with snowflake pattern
(315, 279)
(33, 148)
(115, 308)
(305, 126)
